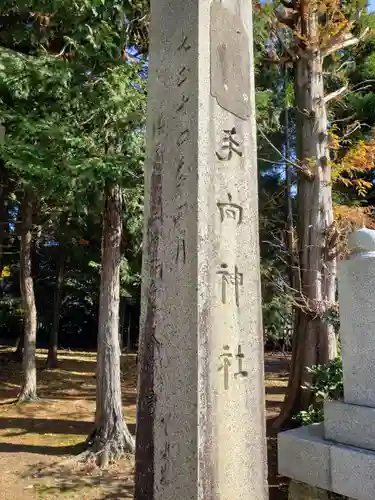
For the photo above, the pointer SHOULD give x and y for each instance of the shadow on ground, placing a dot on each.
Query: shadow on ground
(35, 437)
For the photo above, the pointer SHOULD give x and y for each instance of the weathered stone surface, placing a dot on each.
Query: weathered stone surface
(201, 314)
(350, 424)
(357, 327)
(352, 472)
(303, 455)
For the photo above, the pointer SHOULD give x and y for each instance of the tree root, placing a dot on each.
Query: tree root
(70, 462)
(101, 453)
(27, 398)
(101, 458)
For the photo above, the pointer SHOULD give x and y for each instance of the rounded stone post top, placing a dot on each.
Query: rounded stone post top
(362, 241)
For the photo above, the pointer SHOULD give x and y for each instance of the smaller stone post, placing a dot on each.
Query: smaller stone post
(357, 318)
(339, 455)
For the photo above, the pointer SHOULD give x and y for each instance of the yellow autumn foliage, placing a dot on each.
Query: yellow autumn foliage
(349, 218)
(358, 160)
(5, 273)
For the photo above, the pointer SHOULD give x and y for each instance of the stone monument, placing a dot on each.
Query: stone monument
(201, 421)
(339, 455)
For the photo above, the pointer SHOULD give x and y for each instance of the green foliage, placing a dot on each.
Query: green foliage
(85, 27)
(277, 319)
(73, 107)
(327, 383)
(67, 132)
(332, 316)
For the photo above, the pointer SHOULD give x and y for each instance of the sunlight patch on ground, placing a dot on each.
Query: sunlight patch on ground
(36, 435)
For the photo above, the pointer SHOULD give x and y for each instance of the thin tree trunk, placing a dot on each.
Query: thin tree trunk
(314, 339)
(111, 438)
(4, 221)
(54, 334)
(4, 187)
(28, 390)
(289, 227)
(128, 339)
(144, 458)
(18, 353)
(121, 326)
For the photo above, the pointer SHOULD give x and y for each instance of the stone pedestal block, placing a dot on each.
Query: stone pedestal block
(350, 424)
(305, 456)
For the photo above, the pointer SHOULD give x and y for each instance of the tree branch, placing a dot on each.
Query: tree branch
(278, 60)
(342, 41)
(335, 94)
(356, 88)
(291, 53)
(276, 150)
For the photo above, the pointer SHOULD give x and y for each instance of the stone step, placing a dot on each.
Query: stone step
(305, 455)
(350, 424)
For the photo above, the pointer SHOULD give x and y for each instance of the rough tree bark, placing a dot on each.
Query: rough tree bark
(144, 466)
(289, 223)
(111, 438)
(4, 187)
(18, 353)
(54, 334)
(314, 339)
(28, 389)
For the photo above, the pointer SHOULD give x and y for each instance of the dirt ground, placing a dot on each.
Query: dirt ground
(35, 437)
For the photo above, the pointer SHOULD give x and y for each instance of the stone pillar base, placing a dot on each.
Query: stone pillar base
(302, 491)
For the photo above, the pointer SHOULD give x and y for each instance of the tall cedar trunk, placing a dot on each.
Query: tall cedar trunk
(54, 334)
(314, 340)
(111, 438)
(289, 227)
(144, 458)
(28, 390)
(3, 210)
(18, 353)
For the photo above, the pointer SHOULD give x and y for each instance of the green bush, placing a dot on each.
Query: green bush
(327, 383)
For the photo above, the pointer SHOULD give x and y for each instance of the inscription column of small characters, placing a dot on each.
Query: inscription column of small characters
(183, 136)
(155, 216)
(230, 145)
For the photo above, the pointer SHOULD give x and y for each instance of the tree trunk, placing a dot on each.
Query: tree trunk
(54, 335)
(129, 330)
(314, 339)
(144, 459)
(4, 188)
(28, 390)
(4, 221)
(111, 438)
(18, 353)
(289, 224)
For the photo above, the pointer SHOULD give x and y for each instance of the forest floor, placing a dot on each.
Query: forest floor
(36, 437)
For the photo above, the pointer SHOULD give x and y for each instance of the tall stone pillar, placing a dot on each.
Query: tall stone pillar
(201, 422)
